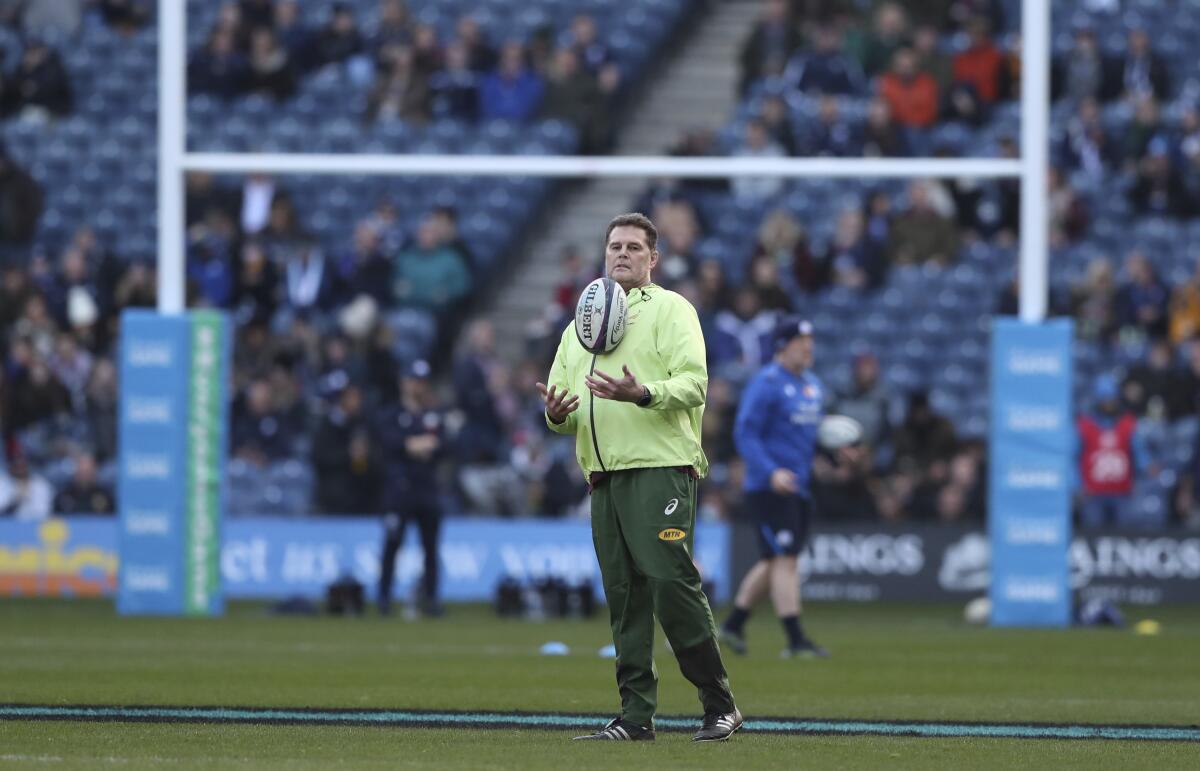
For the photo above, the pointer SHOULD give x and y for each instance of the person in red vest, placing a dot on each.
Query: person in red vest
(1109, 458)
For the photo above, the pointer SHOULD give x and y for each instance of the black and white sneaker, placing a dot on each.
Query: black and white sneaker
(621, 731)
(718, 727)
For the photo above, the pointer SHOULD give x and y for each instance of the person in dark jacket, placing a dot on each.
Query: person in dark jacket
(346, 459)
(412, 436)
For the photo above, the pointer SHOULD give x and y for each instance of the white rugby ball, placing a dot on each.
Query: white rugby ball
(600, 315)
(837, 431)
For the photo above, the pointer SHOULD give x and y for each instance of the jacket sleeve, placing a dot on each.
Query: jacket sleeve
(558, 379)
(754, 414)
(681, 344)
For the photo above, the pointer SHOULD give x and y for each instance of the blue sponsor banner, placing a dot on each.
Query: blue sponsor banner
(152, 477)
(1031, 456)
(263, 558)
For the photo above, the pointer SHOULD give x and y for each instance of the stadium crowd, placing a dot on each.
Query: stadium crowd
(321, 331)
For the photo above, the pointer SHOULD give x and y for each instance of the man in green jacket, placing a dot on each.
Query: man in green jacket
(637, 441)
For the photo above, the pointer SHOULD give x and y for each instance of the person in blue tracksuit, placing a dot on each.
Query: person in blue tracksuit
(776, 435)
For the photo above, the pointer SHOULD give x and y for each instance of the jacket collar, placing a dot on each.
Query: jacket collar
(643, 293)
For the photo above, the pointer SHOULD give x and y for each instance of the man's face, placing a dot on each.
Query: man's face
(628, 258)
(798, 353)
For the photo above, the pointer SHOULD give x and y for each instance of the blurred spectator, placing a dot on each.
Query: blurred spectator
(1141, 302)
(1159, 189)
(772, 41)
(261, 433)
(72, 366)
(763, 278)
(1069, 216)
(1145, 133)
(843, 485)
(931, 60)
(426, 51)
(1108, 459)
(85, 494)
(126, 16)
(1085, 144)
(512, 91)
(400, 91)
(430, 274)
(979, 66)
(1083, 74)
(757, 143)
(1094, 302)
(41, 84)
(61, 16)
(852, 260)
(1187, 499)
(454, 89)
(782, 237)
(481, 57)
(876, 47)
(256, 284)
(925, 444)
(584, 38)
(1184, 310)
(825, 69)
(100, 409)
(24, 493)
(832, 134)
(751, 326)
(271, 70)
(1158, 377)
(778, 122)
(365, 269)
(20, 202)
(346, 460)
(573, 94)
(1142, 72)
(868, 400)
(489, 482)
(882, 138)
(338, 40)
(291, 31)
(923, 233)
(577, 272)
(310, 282)
(218, 68)
(912, 96)
(37, 395)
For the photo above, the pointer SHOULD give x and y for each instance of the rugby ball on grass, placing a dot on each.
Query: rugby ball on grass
(600, 316)
(837, 431)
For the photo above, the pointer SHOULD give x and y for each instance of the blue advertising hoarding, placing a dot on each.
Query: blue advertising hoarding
(1029, 488)
(271, 558)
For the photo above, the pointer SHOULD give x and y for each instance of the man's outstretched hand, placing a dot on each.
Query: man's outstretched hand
(559, 404)
(626, 389)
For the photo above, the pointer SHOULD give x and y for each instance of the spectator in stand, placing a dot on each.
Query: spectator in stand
(85, 493)
(346, 460)
(1085, 145)
(764, 279)
(291, 31)
(481, 57)
(209, 258)
(911, 95)
(430, 274)
(335, 42)
(577, 273)
(766, 52)
(1159, 189)
(584, 37)
(1191, 375)
(1109, 459)
(573, 94)
(781, 237)
(41, 84)
(310, 282)
(365, 269)
(24, 493)
(778, 122)
(1184, 310)
(512, 91)
(21, 201)
(877, 47)
(927, 45)
(868, 400)
(925, 444)
(1187, 499)
(256, 285)
(100, 409)
(62, 16)
(1142, 73)
(979, 66)
(400, 91)
(270, 68)
(126, 16)
(257, 14)
(826, 69)
(1083, 74)
(882, 138)
(832, 135)
(752, 327)
(454, 89)
(1094, 302)
(757, 144)
(37, 395)
(261, 434)
(218, 68)
(72, 366)
(1141, 302)
(1158, 377)
(1145, 131)
(852, 260)
(923, 233)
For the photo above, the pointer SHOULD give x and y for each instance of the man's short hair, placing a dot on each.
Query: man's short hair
(636, 220)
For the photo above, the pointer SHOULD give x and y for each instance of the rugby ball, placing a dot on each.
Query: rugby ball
(837, 431)
(600, 316)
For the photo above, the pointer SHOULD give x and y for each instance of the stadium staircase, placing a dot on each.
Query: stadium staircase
(696, 88)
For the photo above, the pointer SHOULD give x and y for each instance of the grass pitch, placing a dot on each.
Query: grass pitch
(890, 663)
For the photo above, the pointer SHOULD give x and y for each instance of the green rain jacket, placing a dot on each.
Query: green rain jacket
(664, 349)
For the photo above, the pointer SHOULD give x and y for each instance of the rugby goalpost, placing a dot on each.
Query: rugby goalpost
(174, 160)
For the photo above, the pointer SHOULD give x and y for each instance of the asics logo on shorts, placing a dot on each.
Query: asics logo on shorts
(671, 506)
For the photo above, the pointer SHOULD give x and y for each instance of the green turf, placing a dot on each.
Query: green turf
(890, 662)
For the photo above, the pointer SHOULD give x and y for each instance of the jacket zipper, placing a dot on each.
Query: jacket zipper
(592, 418)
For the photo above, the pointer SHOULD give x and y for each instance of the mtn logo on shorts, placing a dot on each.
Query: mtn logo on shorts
(671, 534)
